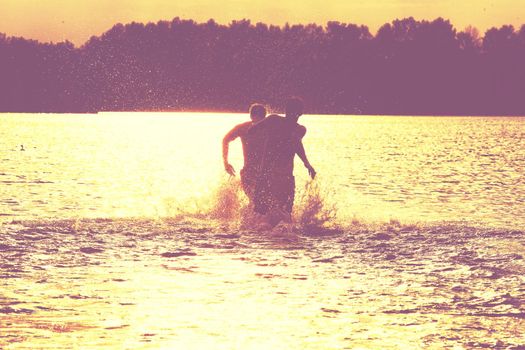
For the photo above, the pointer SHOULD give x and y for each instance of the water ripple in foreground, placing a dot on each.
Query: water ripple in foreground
(131, 283)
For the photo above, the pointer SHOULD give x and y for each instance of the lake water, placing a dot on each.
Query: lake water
(121, 230)
(405, 168)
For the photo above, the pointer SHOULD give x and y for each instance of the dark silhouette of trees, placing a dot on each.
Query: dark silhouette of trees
(409, 67)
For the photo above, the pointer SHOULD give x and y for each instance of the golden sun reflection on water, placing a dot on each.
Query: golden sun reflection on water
(413, 169)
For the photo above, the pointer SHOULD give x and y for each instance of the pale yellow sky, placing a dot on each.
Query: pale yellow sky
(77, 20)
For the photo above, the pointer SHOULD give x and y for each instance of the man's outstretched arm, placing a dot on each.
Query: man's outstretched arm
(230, 136)
(302, 154)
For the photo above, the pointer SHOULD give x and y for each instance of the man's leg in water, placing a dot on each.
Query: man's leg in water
(282, 190)
(248, 184)
(262, 193)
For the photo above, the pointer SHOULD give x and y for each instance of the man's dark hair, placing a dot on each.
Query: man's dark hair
(257, 110)
(294, 106)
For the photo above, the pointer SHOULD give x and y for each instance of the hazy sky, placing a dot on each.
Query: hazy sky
(77, 20)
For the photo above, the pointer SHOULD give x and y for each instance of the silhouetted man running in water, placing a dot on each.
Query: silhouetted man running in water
(250, 148)
(275, 188)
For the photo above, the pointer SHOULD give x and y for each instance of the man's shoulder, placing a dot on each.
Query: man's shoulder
(274, 119)
(239, 130)
(243, 127)
(268, 123)
(301, 130)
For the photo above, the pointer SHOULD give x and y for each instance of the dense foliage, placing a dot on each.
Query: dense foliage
(409, 67)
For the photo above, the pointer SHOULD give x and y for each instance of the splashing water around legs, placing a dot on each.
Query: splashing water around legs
(313, 213)
(224, 204)
(227, 205)
(227, 201)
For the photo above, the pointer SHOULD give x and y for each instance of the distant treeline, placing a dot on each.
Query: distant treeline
(409, 67)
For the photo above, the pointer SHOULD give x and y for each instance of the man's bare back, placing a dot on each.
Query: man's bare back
(275, 188)
(281, 142)
(250, 147)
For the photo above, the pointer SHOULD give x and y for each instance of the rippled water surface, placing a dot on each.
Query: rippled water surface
(121, 231)
(417, 169)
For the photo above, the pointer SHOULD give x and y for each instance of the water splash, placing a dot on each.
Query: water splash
(227, 201)
(224, 204)
(313, 212)
(227, 205)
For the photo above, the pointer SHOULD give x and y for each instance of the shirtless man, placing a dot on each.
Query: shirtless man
(275, 188)
(251, 153)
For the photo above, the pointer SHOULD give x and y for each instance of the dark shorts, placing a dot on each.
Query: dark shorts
(274, 192)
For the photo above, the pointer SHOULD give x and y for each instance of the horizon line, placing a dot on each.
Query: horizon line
(279, 113)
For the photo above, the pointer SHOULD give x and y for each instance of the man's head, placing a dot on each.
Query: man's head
(294, 108)
(257, 112)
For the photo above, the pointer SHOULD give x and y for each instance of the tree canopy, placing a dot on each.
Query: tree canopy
(409, 67)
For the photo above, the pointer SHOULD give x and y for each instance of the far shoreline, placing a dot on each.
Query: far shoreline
(411, 115)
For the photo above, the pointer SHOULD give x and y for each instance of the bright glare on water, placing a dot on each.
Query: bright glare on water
(122, 231)
(138, 165)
